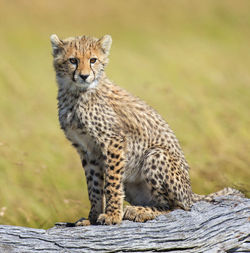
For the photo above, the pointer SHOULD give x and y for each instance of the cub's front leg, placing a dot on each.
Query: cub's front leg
(95, 181)
(113, 183)
(94, 174)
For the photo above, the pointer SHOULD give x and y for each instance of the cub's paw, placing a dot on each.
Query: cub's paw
(138, 214)
(82, 222)
(109, 219)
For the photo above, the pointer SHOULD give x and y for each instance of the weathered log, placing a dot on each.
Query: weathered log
(221, 226)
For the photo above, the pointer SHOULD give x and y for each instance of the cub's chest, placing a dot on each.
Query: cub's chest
(74, 124)
(84, 143)
(70, 116)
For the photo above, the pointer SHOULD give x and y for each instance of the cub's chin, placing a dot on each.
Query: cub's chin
(83, 86)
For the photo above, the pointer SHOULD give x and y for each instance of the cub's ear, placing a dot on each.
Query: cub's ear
(56, 43)
(105, 43)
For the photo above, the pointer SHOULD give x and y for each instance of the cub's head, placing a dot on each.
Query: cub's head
(79, 61)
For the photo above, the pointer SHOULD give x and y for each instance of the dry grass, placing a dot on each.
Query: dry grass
(188, 59)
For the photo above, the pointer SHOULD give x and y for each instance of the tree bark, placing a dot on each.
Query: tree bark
(221, 226)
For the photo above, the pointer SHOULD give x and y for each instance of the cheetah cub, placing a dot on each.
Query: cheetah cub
(126, 148)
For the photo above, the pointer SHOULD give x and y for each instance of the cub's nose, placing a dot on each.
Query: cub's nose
(84, 77)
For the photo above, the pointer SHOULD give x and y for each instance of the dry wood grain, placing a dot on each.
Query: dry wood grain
(222, 226)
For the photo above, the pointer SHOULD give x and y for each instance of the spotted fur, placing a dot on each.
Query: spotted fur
(126, 148)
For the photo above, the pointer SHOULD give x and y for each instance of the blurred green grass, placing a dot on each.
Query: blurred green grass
(190, 60)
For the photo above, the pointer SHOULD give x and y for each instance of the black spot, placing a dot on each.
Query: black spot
(153, 181)
(120, 171)
(95, 183)
(117, 186)
(96, 191)
(92, 172)
(75, 145)
(153, 167)
(89, 178)
(93, 162)
(111, 177)
(84, 162)
(112, 167)
(102, 145)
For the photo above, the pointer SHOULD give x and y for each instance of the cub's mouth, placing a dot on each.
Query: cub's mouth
(84, 85)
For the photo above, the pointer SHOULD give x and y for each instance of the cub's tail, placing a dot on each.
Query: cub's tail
(210, 197)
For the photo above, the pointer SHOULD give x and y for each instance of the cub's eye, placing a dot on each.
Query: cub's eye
(92, 60)
(73, 60)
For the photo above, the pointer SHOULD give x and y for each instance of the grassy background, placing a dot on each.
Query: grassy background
(190, 60)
